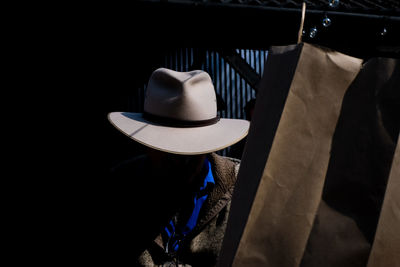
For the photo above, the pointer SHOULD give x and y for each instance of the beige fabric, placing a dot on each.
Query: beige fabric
(290, 189)
(386, 247)
(182, 96)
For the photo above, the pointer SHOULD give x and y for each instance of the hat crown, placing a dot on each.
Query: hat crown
(187, 96)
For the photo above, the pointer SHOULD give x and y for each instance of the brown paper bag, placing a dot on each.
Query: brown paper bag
(278, 217)
(386, 247)
(283, 168)
(361, 156)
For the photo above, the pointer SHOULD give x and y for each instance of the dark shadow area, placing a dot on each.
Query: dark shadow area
(364, 143)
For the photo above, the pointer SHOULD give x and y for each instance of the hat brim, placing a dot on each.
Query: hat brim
(185, 141)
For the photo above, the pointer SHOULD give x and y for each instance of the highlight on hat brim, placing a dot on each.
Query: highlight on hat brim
(185, 141)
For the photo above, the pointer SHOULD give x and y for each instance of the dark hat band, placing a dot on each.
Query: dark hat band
(178, 123)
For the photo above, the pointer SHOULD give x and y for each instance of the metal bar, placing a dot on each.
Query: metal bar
(279, 9)
(210, 67)
(206, 62)
(247, 56)
(244, 94)
(188, 60)
(238, 97)
(234, 93)
(221, 83)
(253, 62)
(245, 86)
(174, 59)
(227, 91)
(256, 65)
(199, 56)
(171, 66)
(215, 79)
(229, 79)
(191, 58)
(184, 61)
(179, 59)
(241, 66)
(213, 69)
(224, 85)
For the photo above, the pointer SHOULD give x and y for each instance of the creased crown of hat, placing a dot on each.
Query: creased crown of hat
(180, 115)
(184, 96)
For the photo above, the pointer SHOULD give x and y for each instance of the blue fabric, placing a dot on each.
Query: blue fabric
(175, 236)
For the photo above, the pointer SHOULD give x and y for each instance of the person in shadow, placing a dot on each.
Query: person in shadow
(171, 205)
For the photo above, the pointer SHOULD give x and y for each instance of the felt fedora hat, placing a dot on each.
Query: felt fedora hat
(180, 116)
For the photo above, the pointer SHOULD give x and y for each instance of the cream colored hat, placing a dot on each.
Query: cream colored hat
(180, 116)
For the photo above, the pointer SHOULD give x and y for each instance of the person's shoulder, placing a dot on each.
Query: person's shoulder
(226, 161)
(225, 158)
(235, 161)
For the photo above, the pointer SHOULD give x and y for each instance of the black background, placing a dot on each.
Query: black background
(79, 62)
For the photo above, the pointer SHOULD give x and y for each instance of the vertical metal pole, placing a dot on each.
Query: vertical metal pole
(257, 61)
(186, 59)
(191, 56)
(244, 95)
(221, 82)
(214, 74)
(247, 56)
(232, 91)
(207, 62)
(242, 54)
(180, 61)
(171, 65)
(253, 65)
(183, 59)
(214, 70)
(239, 96)
(228, 100)
(177, 65)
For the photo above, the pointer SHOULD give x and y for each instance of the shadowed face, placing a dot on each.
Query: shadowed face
(183, 169)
